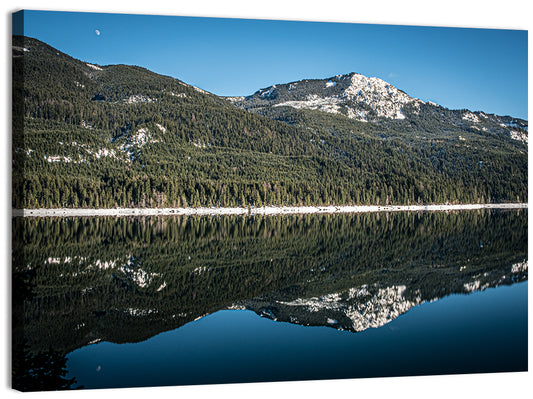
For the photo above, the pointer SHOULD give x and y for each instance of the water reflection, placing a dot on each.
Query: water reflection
(124, 280)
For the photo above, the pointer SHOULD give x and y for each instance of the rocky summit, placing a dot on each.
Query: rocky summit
(370, 99)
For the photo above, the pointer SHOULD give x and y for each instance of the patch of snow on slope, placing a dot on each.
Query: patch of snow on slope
(234, 100)
(78, 158)
(358, 114)
(57, 158)
(137, 140)
(95, 67)
(103, 152)
(86, 125)
(472, 286)
(515, 124)
(140, 312)
(18, 48)
(327, 104)
(520, 136)
(138, 98)
(519, 267)
(182, 95)
(267, 93)
(141, 137)
(199, 90)
(470, 117)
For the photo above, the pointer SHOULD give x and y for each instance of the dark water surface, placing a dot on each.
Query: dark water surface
(127, 302)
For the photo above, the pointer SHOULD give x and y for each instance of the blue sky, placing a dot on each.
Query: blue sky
(477, 69)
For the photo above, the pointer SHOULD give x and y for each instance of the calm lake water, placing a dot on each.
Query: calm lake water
(129, 302)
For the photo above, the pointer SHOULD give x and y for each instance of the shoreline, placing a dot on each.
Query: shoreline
(265, 210)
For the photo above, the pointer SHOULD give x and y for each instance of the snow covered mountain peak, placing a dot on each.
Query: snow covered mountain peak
(371, 99)
(382, 97)
(354, 95)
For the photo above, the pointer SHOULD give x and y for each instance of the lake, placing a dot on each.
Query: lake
(102, 302)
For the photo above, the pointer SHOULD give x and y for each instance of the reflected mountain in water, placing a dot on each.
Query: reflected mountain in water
(369, 306)
(128, 279)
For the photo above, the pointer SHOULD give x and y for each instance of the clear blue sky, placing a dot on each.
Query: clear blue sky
(477, 69)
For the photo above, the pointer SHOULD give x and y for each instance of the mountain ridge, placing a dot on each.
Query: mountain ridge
(368, 99)
(90, 136)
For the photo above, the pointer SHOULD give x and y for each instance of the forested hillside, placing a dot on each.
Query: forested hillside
(121, 136)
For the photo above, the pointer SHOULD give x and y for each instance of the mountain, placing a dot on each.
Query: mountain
(367, 306)
(87, 135)
(374, 100)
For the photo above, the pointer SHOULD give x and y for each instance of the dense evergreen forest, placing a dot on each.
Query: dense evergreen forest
(121, 136)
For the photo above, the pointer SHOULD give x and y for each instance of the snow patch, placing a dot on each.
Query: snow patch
(78, 158)
(140, 277)
(103, 152)
(182, 95)
(470, 117)
(86, 125)
(267, 92)
(199, 90)
(520, 136)
(104, 265)
(313, 101)
(472, 286)
(140, 312)
(200, 144)
(95, 67)
(236, 307)
(23, 49)
(138, 98)
(519, 267)
(200, 270)
(140, 138)
(57, 158)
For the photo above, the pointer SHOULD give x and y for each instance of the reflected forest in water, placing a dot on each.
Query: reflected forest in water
(78, 281)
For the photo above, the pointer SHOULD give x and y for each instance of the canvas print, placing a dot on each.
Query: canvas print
(215, 200)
